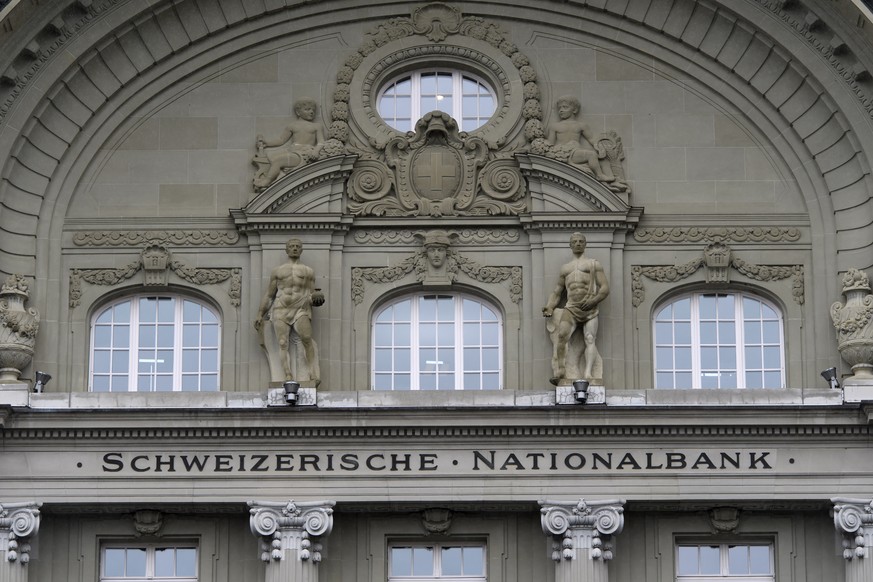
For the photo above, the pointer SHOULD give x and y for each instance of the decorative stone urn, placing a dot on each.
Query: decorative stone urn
(854, 324)
(18, 327)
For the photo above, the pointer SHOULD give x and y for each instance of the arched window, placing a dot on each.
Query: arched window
(718, 340)
(404, 100)
(155, 343)
(437, 342)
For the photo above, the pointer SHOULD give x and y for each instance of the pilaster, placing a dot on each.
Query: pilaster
(18, 522)
(289, 531)
(583, 535)
(853, 518)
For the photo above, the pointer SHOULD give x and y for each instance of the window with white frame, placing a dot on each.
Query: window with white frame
(463, 562)
(156, 562)
(735, 562)
(468, 99)
(155, 343)
(437, 342)
(718, 340)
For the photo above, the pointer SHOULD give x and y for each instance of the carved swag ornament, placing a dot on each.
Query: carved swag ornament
(437, 171)
(155, 260)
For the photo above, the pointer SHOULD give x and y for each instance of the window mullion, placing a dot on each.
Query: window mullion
(177, 346)
(415, 106)
(133, 361)
(459, 342)
(695, 341)
(740, 336)
(457, 97)
(414, 346)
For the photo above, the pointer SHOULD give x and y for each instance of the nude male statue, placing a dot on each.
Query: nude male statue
(288, 303)
(305, 137)
(585, 285)
(573, 137)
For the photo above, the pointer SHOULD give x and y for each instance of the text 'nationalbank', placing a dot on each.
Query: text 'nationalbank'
(444, 462)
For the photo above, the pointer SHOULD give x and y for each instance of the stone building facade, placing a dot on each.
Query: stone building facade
(293, 291)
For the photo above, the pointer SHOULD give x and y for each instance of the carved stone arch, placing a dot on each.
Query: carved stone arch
(787, 67)
(789, 80)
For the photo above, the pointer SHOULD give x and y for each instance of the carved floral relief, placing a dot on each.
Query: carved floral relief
(18, 328)
(853, 321)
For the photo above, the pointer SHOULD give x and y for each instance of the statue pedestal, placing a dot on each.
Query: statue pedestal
(15, 393)
(858, 389)
(565, 394)
(305, 396)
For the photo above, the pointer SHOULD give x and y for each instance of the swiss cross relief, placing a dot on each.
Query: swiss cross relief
(437, 171)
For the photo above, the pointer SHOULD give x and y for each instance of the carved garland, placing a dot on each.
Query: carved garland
(156, 275)
(132, 238)
(468, 236)
(673, 273)
(679, 234)
(455, 262)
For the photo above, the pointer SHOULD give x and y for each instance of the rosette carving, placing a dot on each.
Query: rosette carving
(502, 180)
(369, 181)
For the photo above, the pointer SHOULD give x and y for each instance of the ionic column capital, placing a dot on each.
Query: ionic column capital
(18, 522)
(854, 519)
(582, 525)
(289, 525)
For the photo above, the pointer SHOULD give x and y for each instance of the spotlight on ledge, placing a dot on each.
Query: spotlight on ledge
(580, 391)
(830, 376)
(41, 380)
(291, 387)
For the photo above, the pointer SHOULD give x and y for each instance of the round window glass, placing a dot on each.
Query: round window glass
(404, 100)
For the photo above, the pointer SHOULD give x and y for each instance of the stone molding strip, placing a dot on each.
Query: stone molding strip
(467, 236)
(693, 234)
(135, 238)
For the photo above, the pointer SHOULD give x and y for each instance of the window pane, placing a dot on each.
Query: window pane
(707, 306)
(472, 382)
(401, 561)
(471, 333)
(664, 380)
(402, 360)
(136, 562)
(491, 381)
(683, 333)
(120, 362)
(186, 562)
(383, 360)
(709, 560)
(402, 334)
(490, 359)
(382, 335)
(759, 560)
(164, 561)
(101, 361)
(738, 560)
(451, 562)
(471, 359)
(474, 561)
(686, 560)
(113, 562)
(422, 562)
(102, 336)
(663, 332)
